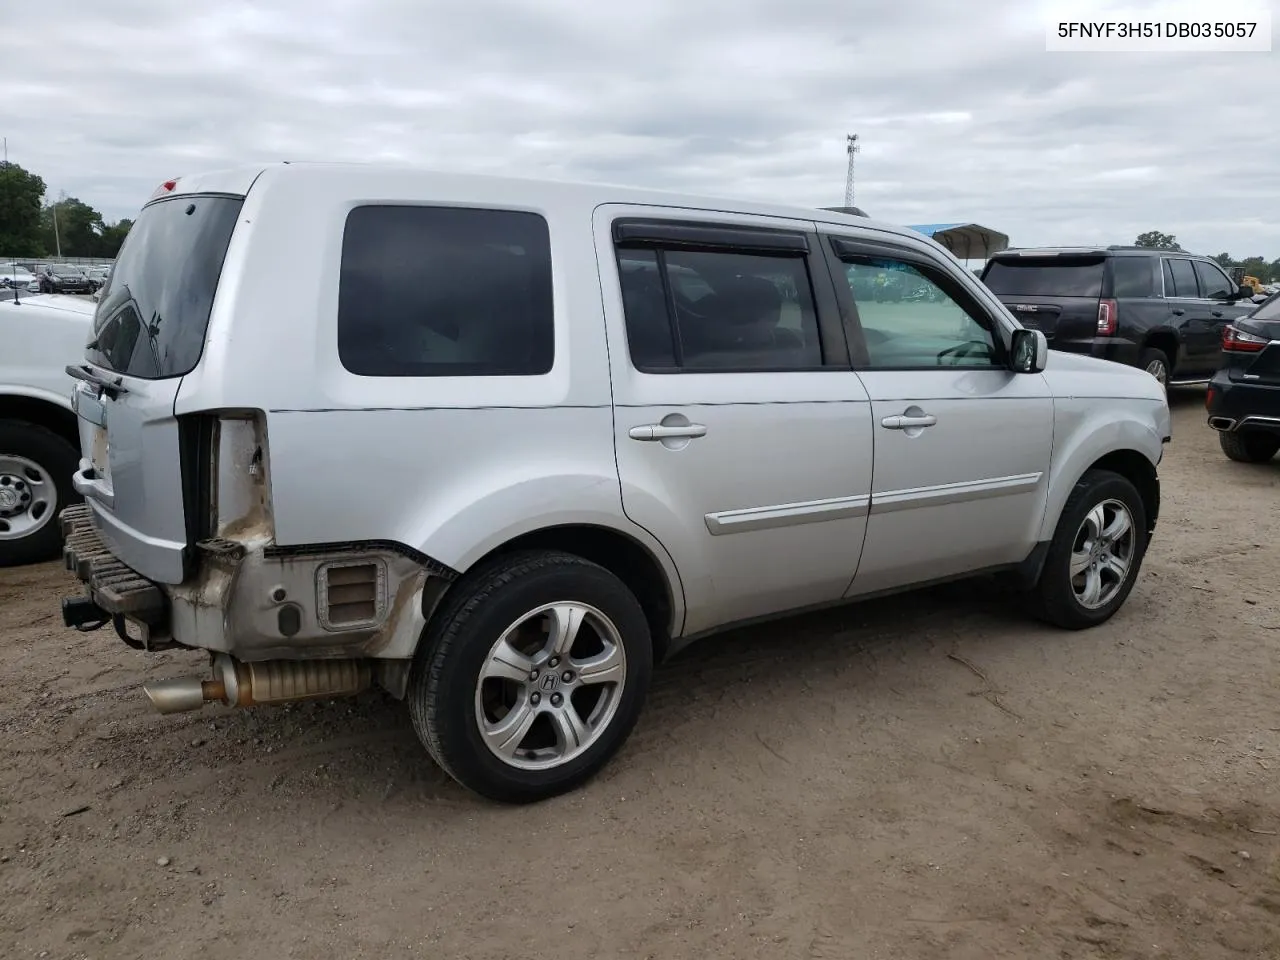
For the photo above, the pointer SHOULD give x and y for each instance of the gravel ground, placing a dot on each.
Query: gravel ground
(918, 777)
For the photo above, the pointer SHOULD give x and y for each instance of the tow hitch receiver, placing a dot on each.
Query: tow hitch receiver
(81, 613)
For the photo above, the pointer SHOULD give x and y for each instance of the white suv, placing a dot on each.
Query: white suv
(500, 445)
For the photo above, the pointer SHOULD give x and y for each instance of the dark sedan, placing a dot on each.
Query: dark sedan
(1244, 395)
(65, 280)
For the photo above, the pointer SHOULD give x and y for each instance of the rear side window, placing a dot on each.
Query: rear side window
(445, 292)
(154, 310)
(1182, 276)
(718, 310)
(1132, 277)
(1045, 277)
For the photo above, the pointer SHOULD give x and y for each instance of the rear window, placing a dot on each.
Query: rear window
(1056, 277)
(154, 310)
(445, 292)
(1269, 309)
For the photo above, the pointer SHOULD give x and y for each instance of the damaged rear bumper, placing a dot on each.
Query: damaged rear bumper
(260, 602)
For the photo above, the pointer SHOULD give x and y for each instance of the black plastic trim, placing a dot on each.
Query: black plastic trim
(634, 232)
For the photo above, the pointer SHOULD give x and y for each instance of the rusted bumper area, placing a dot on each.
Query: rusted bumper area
(115, 588)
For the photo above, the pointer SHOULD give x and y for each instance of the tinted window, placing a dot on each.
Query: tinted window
(1184, 279)
(1043, 277)
(718, 311)
(909, 319)
(443, 291)
(1213, 282)
(1132, 277)
(1269, 309)
(151, 319)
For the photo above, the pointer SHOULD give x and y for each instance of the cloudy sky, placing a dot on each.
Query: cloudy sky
(962, 113)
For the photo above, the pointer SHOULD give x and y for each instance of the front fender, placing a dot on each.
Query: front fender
(1085, 431)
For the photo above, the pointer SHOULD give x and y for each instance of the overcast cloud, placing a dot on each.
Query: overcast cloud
(962, 113)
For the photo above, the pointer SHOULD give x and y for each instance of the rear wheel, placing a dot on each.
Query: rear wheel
(1096, 552)
(532, 676)
(36, 466)
(1156, 363)
(1249, 446)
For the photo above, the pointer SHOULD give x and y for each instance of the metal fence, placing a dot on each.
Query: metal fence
(30, 262)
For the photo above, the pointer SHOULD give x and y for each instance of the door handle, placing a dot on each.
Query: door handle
(906, 423)
(658, 431)
(1217, 313)
(1178, 311)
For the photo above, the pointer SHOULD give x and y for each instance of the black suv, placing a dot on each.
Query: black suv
(1243, 398)
(1162, 310)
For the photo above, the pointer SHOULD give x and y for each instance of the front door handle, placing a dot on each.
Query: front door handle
(658, 431)
(1217, 313)
(906, 423)
(1178, 311)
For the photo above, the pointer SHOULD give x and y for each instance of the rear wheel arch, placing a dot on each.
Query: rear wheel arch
(625, 557)
(1166, 341)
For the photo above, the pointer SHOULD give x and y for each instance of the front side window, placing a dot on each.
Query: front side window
(718, 310)
(910, 321)
(1214, 284)
(445, 292)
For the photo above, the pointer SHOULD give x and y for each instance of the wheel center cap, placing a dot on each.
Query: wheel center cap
(8, 498)
(549, 682)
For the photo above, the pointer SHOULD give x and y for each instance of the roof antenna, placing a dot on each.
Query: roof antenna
(8, 184)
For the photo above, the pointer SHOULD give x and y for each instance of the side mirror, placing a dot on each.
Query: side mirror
(1028, 351)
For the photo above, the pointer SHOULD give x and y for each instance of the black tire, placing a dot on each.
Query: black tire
(1249, 446)
(478, 609)
(1152, 359)
(1053, 598)
(58, 459)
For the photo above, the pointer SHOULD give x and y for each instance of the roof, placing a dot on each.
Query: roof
(392, 177)
(968, 241)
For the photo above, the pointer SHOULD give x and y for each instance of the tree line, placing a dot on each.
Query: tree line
(69, 227)
(1252, 266)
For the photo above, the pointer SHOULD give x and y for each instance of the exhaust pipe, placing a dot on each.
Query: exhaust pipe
(1221, 423)
(237, 684)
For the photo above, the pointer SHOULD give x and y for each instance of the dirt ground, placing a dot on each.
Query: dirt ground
(920, 777)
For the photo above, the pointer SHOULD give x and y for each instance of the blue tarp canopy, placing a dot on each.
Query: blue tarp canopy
(968, 241)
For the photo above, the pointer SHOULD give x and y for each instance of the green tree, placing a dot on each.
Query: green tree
(72, 228)
(1224, 261)
(1156, 240)
(1256, 267)
(20, 194)
(112, 237)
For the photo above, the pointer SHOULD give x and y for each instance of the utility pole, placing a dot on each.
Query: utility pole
(851, 142)
(58, 241)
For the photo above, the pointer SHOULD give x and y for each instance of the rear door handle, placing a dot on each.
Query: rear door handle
(1178, 311)
(657, 431)
(906, 423)
(1217, 313)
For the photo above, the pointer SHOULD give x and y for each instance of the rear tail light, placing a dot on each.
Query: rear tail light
(1106, 317)
(1208, 398)
(1237, 341)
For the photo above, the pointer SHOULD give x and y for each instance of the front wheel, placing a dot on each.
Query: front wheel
(1096, 552)
(532, 676)
(1249, 446)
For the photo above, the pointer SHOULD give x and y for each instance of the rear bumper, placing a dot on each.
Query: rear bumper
(1233, 405)
(260, 603)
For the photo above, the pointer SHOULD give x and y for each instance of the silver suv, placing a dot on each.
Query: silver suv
(500, 445)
